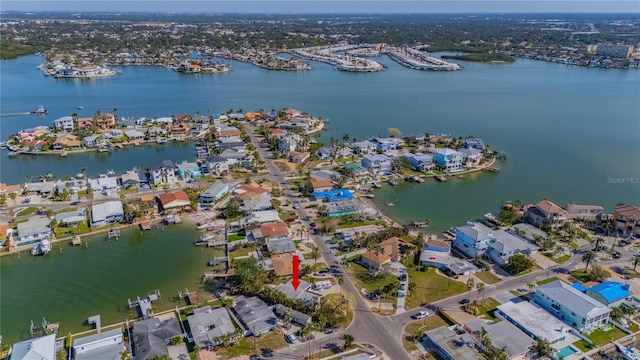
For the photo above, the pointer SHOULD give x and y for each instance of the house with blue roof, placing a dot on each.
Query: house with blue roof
(610, 293)
(334, 195)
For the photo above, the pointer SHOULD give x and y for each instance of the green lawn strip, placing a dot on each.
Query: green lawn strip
(582, 345)
(422, 325)
(431, 286)
(488, 277)
(242, 251)
(519, 295)
(62, 231)
(360, 276)
(573, 246)
(545, 281)
(580, 275)
(27, 211)
(601, 337)
(486, 307)
(236, 237)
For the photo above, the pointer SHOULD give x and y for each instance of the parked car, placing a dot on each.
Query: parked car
(463, 301)
(291, 339)
(615, 255)
(420, 315)
(402, 286)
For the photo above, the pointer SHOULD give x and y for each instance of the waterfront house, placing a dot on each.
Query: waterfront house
(343, 208)
(376, 164)
(281, 245)
(586, 212)
(472, 239)
(33, 231)
(93, 140)
(71, 217)
(320, 185)
(174, 200)
(261, 217)
(177, 131)
(503, 245)
(289, 142)
(223, 131)
(133, 179)
(357, 172)
(40, 348)
(420, 162)
(324, 153)
(188, 170)
(214, 193)
(202, 119)
(166, 120)
(234, 156)
(106, 213)
(151, 337)
(64, 123)
(384, 144)
(254, 315)
(503, 335)
(230, 142)
(436, 254)
(217, 165)
(625, 220)
(610, 293)
(544, 211)
(35, 144)
(208, 326)
(107, 345)
(113, 134)
(133, 134)
(533, 321)
(129, 123)
(66, 141)
(86, 123)
(7, 189)
(154, 131)
(374, 260)
(297, 124)
(474, 143)
(163, 172)
(196, 130)
(104, 184)
(449, 158)
(42, 188)
(299, 318)
(363, 147)
(291, 113)
(105, 121)
(499, 245)
(181, 118)
(236, 116)
(573, 307)
(298, 157)
(470, 156)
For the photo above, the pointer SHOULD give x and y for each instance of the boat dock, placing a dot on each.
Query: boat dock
(114, 233)
(415, 179)
(328, 54)
(492, 169)
(95, 320)
(144, 306)
(419, 60)
(442, 178)
(191, 298)
(76, 240)
(145, 226)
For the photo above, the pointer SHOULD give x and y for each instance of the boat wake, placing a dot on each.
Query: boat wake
(15, 114)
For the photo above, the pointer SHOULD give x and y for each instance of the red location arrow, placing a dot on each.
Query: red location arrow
(295, 282)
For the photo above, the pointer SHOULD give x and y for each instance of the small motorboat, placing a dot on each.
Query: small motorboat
(40, 110)
(79, 107)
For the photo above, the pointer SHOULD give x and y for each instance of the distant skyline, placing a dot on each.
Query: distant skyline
(328, 6)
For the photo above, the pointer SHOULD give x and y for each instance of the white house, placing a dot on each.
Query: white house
(289, 142)
(64, 123)
(93, 140)
(163, 172)
(106, 213)
(41, 348)
(105, 345)
(217, 165)
(376, 163)
(573, 307)
(134, 134)
(420, 162)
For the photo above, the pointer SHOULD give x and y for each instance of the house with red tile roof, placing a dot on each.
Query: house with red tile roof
(374, 260)
(320, 185)
(395, 247)
(174, 200)
(545, 210)
(274, 229)
(625, 220)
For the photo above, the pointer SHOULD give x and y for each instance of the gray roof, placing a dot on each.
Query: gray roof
(506, 242)
(132, 176)
(206, 324)
(572, 299)
(216, 159)
(44, 186)
(298, 317)
(149, 337)
(107, 345)
(100, 212)
(162, 164)
(535, 320)
(529, 230)
(455, 345)
(187, 166)
(255, 314)
(40, 348)
(76, 216)
(343, 206)
(288, 291)
(476, 231)
(216, 189)
(34, 226)
(459, 267)
(504, 335)
(281, 245)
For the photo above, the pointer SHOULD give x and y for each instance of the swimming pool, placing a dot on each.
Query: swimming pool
(566, 352)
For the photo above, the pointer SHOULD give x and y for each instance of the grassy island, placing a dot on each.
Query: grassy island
(481, 57)
(10, 49)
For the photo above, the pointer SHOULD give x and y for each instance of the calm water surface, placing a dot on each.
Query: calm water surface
(570, 134)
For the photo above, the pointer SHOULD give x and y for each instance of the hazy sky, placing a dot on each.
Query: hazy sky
(328, 6)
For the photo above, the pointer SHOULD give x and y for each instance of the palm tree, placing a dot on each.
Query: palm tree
(83, 170)
(412, 287)
(636, 260)
(346, 137)
(12, 196)
(315, 254)
(480, 287)
(598, 241)
(469, 284)
(588, 257)
(531, 286)
(28, 177)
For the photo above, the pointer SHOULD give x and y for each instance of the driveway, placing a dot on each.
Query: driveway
(397, 269)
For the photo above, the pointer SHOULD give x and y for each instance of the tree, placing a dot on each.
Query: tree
(598, 273)
(348, 340)
(531, 286)
(596, 243)
(616, 313)
(480, 287)
(315, 254)
(519, 263)
(469, 284)
(12, 196)
(636, 260)
(412, 287)
(394, 132)
(400, 163)
(543, 348)
(587, 257)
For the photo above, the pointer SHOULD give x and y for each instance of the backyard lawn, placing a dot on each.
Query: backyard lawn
(600, 337)
(361, 278)
(426, 324)
(28, 211)
(272, 341)
(431, 286)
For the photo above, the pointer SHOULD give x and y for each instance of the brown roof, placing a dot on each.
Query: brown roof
(5, 189)
(379, 258)
(315, 182)
(274, 229)
(147, 197)
(440, 243)
(391, 246)
(246, 191)
(174, 199)
(282, 264)
(549, 207)
(628, 211)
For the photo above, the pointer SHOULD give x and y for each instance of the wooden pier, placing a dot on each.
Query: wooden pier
(190, 298)
(145, 226)
(144, 306)
(95, 320)
(492, 169)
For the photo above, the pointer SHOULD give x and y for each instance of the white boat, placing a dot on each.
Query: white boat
(79, 107)
(628, 353)
(40, 110)
(43, 248)
(490, 217)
